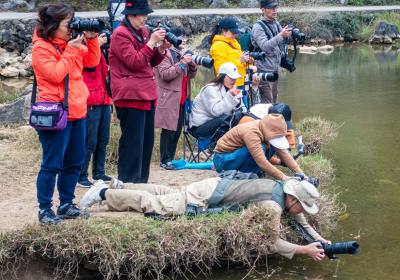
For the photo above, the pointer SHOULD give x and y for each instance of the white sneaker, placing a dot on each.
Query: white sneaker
(92, 196)
(116, 184)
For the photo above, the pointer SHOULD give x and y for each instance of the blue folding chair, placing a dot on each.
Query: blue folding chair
(195, 149)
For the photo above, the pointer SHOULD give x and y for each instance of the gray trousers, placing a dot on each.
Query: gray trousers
(269, 92)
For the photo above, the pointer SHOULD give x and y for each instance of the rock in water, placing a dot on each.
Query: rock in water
(385, 33)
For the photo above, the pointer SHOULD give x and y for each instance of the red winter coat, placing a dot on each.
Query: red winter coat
(131, 67)
(96, 83)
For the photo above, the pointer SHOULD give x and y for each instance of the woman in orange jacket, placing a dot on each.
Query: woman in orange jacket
(55, 55)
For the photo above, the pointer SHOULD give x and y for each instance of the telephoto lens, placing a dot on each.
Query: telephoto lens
(205, 61)
(349, 247)
(267, 76)
(78, 26)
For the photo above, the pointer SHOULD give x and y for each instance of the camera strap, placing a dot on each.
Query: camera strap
(133, 31)
(66, 86)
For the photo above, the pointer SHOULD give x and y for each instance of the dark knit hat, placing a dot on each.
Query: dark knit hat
(137, 7)
(269, 4)
(283, 109)
(229, 23)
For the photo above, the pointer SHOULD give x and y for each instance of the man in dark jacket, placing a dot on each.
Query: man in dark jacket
(133, 54)
(268, 36)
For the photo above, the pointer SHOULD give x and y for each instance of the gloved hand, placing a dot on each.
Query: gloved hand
(300, 175)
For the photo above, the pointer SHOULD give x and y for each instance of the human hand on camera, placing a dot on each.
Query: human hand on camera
(315, 251)
(90, 34)
(245, 57)
(156, 37)
(286, 32)
(76, 42)
(186, 59)
(256, 81)
(102, 39)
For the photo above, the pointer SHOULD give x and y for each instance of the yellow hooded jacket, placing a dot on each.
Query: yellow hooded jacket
(227, 50)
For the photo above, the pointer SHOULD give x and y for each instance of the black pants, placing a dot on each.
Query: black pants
(136, 144)
(209, 128)
(98, 121)
(169, 139)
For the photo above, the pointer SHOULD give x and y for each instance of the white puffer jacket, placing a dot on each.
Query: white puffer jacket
(212, 102)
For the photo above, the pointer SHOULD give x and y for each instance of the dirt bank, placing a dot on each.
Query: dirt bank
(19, 167)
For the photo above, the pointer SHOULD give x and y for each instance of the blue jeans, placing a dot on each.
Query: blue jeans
(98, 121)
(63, 155)
(239, 159)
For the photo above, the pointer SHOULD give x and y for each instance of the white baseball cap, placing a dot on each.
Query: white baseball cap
(280, 143)
(230, 70)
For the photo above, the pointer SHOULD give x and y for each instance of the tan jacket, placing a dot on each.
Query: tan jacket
(253, 135)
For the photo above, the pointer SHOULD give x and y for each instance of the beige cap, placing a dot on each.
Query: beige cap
(305, 192)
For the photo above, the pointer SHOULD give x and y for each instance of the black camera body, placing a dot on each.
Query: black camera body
(78, 25)
(169, 36)
(108, 35)
(296, 34)
(349, 247)
(287, 63)
(257, 55)
(205, 61)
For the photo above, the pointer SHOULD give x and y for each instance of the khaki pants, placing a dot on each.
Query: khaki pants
(160, 199)
(269, 92)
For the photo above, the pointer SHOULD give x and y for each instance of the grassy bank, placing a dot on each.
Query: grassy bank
(137, 248)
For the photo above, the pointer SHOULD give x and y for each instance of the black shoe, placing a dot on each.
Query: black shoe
(105, 178)
(84, 183)
(68, 211)
(168, 166)
(47, 217)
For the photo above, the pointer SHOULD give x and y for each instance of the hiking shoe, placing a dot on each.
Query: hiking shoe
(68, 211)
(168, 166)
(47, 217)
(116, 184)
(85, 183)
(105, 178)
(92, 196)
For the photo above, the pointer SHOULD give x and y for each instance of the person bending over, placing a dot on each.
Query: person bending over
(291, 197)
(213, 106)
(245, 146)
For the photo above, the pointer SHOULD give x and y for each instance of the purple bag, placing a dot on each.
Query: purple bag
(49, 115)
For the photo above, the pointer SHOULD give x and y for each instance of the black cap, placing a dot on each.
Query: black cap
(284, 110)
(269, 4)
(229, 23)
(137, 7)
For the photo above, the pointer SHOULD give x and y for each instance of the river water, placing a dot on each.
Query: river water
(358, 87)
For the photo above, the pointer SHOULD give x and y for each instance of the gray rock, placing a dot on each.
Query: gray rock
(9, 72)
(381, 39)
(384, 28)
(14, 4)
(18, 111)
(249, 4)
(219, 4)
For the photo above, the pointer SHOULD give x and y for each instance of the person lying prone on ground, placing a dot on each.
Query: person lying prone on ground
(293, 197)
(244, 148)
